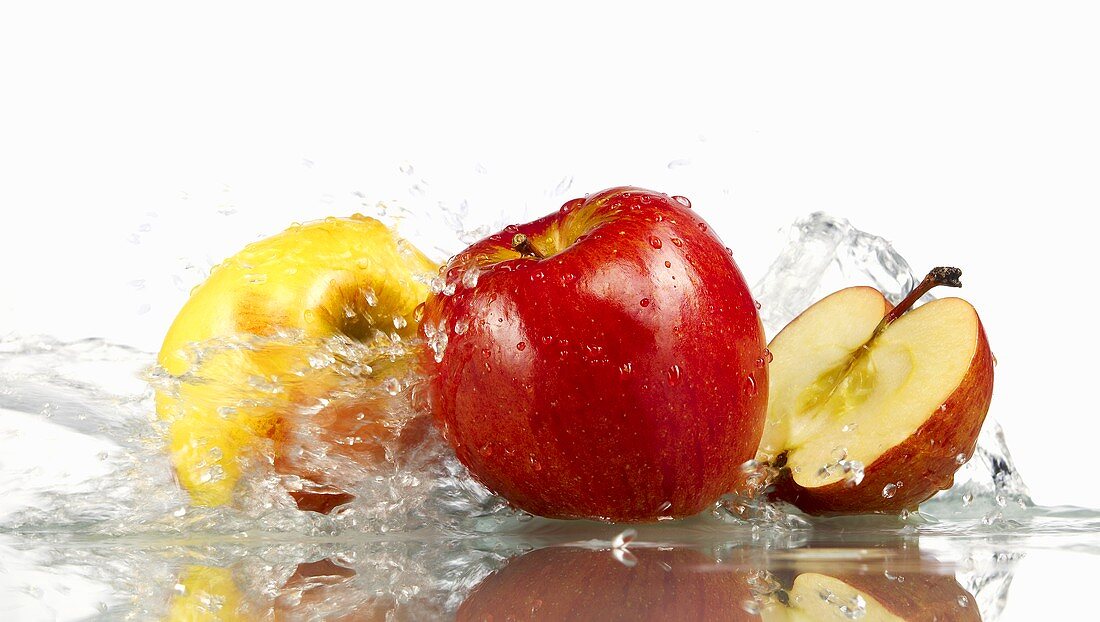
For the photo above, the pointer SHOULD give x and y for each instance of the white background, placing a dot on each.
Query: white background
(139, 144)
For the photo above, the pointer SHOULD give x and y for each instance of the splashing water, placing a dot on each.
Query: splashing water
(422, 539)
(88, 396)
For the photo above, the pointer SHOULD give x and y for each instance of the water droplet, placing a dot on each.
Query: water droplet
(418, 312)
(668, 264)
(370, 296)
(682, 200)
(964, 601)
(960, 459)
(674, 375)
(750, 386)
(757, 304)
(568, 278)
(889, 490)
(521, 346)
(768, 356)
(702, 226)
(840, 454)
(392, 386)
(448, 290)
(462, 326)
(677, 242)
(547, 339)
(399, 322)
(644, 302)
(626, 368)
(849, 427)
(655, 241)
(624, 539)
(470, 277)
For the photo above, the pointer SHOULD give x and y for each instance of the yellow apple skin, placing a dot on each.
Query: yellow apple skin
(238, 356)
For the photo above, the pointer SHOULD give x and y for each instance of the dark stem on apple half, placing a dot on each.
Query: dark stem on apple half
(524, 247)
(937, 276)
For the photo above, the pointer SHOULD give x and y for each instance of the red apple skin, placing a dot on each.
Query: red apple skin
(622, 379)
(925, 462)
(565, 583)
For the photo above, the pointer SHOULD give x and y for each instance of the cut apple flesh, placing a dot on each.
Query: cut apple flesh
(840, 400)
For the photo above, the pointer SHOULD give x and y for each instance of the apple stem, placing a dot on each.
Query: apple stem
(937, 276)
(524, 247)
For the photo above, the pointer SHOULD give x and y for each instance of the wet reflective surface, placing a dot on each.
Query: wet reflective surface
(553, 571)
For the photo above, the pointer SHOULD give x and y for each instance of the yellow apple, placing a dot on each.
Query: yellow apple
(873, 408)
(292, 321)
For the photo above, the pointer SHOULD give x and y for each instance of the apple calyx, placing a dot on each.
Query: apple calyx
(943, 275)
(524, 247)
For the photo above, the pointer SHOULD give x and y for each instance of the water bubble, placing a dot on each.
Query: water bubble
(461, 326)
(889, 490)
(626, 368)
(756, 303)
(702, 226)
(674, 375)
(682, 200)
(437, 284)
(668, 264)
(677, 242)
(438, 343)
(644, 302)
(370, 297)
(750, 386)
(449, 289)
(960, 459)
(547, 339)
(392, 386)
(470, 277)
(624, 539)
(399, 322)
(964, 601)
(655, 241)
(418, 312)
(521, 346)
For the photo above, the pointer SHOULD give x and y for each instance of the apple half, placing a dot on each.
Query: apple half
(873, 408)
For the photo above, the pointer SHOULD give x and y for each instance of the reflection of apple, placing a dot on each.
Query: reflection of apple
(605, 361)
(872, 413)
(909, 588)
(207, 593)
(565, 583)
(241, 351)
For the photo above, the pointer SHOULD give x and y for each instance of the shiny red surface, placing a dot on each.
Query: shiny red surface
(622, 378)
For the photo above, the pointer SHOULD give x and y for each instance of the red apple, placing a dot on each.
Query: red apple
(605, 361)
